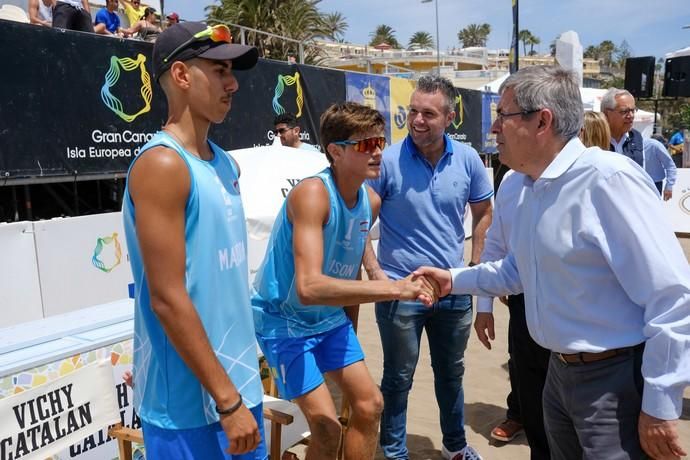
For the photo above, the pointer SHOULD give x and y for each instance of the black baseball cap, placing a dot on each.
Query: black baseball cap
(243, 57)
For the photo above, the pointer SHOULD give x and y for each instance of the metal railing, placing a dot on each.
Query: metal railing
(243, 39)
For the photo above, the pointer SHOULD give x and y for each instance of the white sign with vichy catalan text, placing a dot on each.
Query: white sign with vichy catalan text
(44, 420)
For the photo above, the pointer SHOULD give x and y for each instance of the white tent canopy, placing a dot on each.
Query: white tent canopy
(678, 53)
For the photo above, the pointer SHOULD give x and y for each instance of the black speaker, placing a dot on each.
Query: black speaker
(677, 77)
(639, 76)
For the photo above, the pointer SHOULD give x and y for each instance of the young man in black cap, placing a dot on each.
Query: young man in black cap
(197, 386)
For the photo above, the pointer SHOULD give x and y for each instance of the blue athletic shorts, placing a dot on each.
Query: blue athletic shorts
(207, 442)
(298, 363)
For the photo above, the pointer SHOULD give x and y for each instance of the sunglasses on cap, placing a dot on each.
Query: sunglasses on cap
(365, 145)
(217, 33)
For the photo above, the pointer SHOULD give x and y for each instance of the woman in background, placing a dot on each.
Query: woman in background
(147, 28)
(596, 132)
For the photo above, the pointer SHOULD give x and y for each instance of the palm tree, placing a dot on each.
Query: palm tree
(474, 35)
(296, 19)
(606, 50)
(591, 52)
(384, 34)
(524, 36)
(335, 25)
(420, 39)
(533, 40)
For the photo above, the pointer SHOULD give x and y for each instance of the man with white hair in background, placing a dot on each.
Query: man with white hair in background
(618, 105)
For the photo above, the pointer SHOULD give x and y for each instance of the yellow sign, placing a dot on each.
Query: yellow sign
(401, 90)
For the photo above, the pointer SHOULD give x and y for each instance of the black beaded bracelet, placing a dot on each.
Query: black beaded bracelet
(230, 410)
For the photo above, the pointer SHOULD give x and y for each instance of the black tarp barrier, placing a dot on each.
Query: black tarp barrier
(273, 88)
(80, 105)
(323, 87)
(467, 124)
(73, 103)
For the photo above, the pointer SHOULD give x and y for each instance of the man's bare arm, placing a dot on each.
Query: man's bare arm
(308, 209)
(481, 220)
(159, 185)
(33, 14)
(369, 260)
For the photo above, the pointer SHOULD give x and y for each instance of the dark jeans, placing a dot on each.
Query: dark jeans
(68, 17)
(591, 410)
(447, 325)
(512, 400)
(530, 363)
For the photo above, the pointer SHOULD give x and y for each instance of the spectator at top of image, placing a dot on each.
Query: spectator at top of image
(73, 15)
(134, 10)
(41, 12)
(173, 18)
(147, 27)
(107, 21)
(595, 132)
(675, 143)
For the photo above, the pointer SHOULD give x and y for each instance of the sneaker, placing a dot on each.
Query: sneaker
(468, 453)
(507, 430)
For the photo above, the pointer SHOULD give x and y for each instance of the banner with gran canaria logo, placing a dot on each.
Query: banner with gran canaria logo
(466, 126)
(372, 91)
(76, 104)
(401, 90)
(272, 88)
(83, 261)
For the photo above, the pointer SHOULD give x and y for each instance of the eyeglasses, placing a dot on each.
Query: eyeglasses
(367, 145)
(281, 131)
(624, 112)
(217, 33)
(501, 116)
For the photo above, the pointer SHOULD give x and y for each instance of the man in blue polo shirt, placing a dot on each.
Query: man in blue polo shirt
(107, 21)
(425, 184)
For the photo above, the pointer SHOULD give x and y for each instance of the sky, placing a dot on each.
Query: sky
(651, 28)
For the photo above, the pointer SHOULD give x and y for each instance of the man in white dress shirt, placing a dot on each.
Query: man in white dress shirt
(606, 283)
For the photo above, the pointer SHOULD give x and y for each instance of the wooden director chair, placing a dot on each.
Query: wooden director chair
(278, 419)
(288, 426)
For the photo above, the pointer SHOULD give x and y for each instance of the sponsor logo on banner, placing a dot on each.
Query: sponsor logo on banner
(107, 260)
(283, 81)
(117, 65)
(684, 201)
(400, 117)
(369, 95)
(459, 112)
(44, 420)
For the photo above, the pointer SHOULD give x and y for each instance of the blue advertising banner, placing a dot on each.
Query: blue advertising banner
(489, 103)
(372, 91)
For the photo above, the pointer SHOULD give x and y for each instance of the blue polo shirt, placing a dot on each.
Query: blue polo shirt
(423, 207)
(111, 20)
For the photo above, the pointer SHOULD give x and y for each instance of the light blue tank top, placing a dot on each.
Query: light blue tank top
(166, 392)
(277, 309)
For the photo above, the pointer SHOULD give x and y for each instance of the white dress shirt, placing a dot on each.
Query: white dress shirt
(497, 237)
(593, 252)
